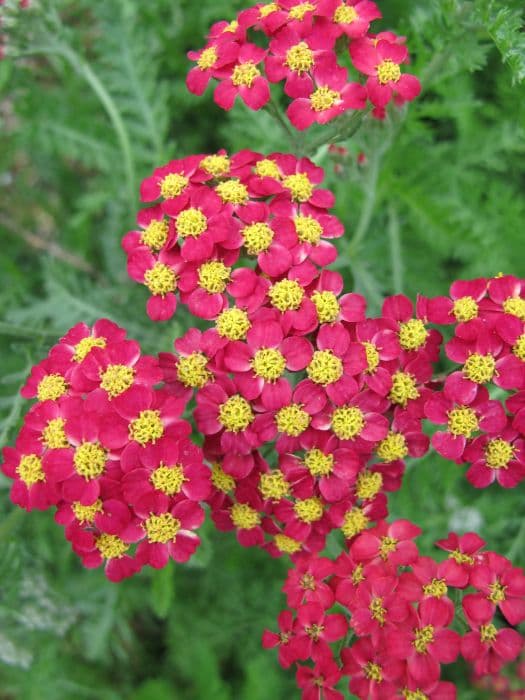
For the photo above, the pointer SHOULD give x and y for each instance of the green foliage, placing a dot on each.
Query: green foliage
(94, 100)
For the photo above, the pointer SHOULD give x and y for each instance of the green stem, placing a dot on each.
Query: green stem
(343, 128)
(395, 250)
(367, 211)
(518, 544)
(275, 112)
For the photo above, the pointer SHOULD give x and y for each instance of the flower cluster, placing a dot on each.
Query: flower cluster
(398, 611)
(305, 46)
(110, 452)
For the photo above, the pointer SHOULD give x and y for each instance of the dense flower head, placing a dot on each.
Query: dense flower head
(298, 47)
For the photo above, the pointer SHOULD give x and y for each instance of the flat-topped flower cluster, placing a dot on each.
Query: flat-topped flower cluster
(310, 47)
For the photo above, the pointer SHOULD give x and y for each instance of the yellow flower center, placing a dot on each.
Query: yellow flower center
(368, 485)
(215, 165)
(299, 58)
(173, 184)
(393, 447)
(488, 633)
(269, 364)
(299, 11)
(89, 460)
(414, 695)
(286, 295)
(462, 421)
(233, 324)
(146, 428)
(191, 222)
(82, 348)
(372, 671)
(300, 186)
(519, 348)
(245, 73)
(388, 71)
(162, 528)
(308, 229)
(465, 309)
(273, 486)
(372, 356)
(412, 334)
(222, 481)
(324, 98)
(496, 592)
(168, 479)
(207, 58)
(318, 463)
(267, 168)
(155, 234)
(51, 387)
(309, 510)
(314, 631)
(116, 379)
(461, 558)
(85, 515)
(387, 546)
(30, 470)
(358, 576)
(325, 368)
(244, 516)
(437, 588)
(111, 546)
(287, 545)
(192, 371)
(53, 435)
(257, 238)
(214, 276)
(479, 368)
(345, 14)
(355, 521)
(424, 637)
(347, 422)
(160, 279)
(292, 420)
(231, 27)
(403, 389)
(515, 306)
(377, 610)
(326, 305)
(232, 192)
(235, 414)
(498, 453)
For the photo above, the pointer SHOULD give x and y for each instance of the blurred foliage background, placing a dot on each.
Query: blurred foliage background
(92, 98)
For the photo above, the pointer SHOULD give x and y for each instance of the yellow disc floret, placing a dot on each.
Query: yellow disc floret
(372, 357)
(147, 428)
(269, 364)
(414, 695)
(83, 347)
(300, 186)
(173, 185)
(287, 545)
(273, 485)
(488, 633)
(90, 460)
(323, 98)
(235, 414)
(192, 370)
(347, 422)
(191, 222)
(232, 192)
(498, 453)
(257, 238)
(207, 58)
(309, 510)
(519, 348)
(308, 229)
(393, 447)
(465, 309)
(162, 528)
(213, 276)
(355, 521)
(286, 295)
(412, 334)
(222, 481)
(325, 367)
(497, 592)
(423, 637)
(403, 389)
(116, 379)
(300, 10)
(155, 234)
(515, 306)
(377, 611)
(30, 470)
(233, 324)
(437, 588)
(372, 671)
(326, 305)
(462, 421)
(168, 479)
(51, 387)
(318, 463)
(292, 420)
(160, 279)
(244, 74)
(387, 546)
(345, 14)
(53, 435)
(368, 485)
(479, 368)
(111, 546)
(216, 165)
(85, 515)
(299, 58)
(388, 71)
(244, 516)
(267, 168)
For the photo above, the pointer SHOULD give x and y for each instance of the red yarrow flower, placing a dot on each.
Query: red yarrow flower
(464, 554)
(314, 631)
(373, 673)
(244, 79)
(211, 60)
(350, 17)
(488, 648)
(392, 543)
(500, 459)
(305, 582)
(319, 681)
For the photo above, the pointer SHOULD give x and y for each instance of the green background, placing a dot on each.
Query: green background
(93, 102)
